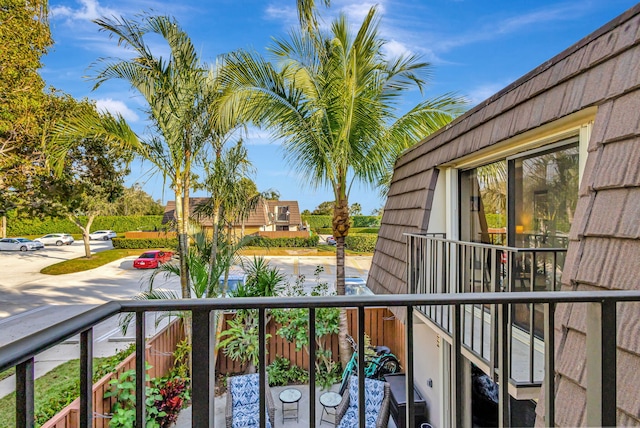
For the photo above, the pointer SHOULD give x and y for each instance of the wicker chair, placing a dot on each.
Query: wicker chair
(243, 401)
(377, 402)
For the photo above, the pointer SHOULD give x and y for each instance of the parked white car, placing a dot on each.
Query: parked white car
(56, 239)
(102, 235)
(19, 244)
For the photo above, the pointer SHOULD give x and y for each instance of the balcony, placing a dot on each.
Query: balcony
(601, 404)
(440, 265)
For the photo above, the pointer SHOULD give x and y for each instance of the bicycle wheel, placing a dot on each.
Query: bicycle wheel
(388, 365)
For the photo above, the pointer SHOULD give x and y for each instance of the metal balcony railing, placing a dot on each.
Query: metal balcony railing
(601, 347)
(440, 265)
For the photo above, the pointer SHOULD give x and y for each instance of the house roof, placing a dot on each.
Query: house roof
(598, 75)
(258, 217)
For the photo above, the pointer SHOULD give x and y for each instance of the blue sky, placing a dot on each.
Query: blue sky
(475, 47)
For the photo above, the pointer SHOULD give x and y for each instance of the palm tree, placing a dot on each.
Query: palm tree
(331, 101)
(180, 93)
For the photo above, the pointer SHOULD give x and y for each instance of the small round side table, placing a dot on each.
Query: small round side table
(329, 400)
(290, 396)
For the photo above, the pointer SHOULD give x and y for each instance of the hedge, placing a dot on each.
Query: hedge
(329, 231)
(310, 242)
(365, 242)
(120, 224)
(128, 244)
(324, 221)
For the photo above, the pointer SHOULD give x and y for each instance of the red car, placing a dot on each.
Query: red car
(152, 259)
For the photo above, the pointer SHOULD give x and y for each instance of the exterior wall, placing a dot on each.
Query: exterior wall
(599, 75)
(427, 351)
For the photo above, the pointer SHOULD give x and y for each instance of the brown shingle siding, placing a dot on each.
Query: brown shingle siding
(581, 216)
(590, 264)
(629, 326)
(618, 164)
(570, 366)
(627, 383)
(630, 221)
(597, 84)
(571, 398)
(625, 74)
(606, 212)
(625, 274)
(628, 33)
(624, 120)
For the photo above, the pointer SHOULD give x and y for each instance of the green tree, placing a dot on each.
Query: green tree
(355, 209)
(180, 94)
(229, 198)
(271, 195)
(325, 208)
(332, 101)
(89, 179)
(24, 37)
(135, 201)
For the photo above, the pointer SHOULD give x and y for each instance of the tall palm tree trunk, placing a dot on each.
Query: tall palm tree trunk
(340, 231)
(182, 242)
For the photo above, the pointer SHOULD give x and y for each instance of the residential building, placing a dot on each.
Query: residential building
(268, 216)
(536, 188)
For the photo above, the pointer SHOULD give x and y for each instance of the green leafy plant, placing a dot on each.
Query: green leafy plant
(281, 372)
(295, 328)
(124, 409)
(143, 243)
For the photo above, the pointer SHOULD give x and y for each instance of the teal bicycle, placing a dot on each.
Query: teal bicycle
(378, 365)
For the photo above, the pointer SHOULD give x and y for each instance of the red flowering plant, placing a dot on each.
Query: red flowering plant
(174, 392)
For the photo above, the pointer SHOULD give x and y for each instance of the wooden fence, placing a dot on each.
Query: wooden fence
(149, 235)
(159, 354)
(284, 234)
(380, 325)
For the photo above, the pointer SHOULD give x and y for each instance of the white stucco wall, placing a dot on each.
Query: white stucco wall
(428, 365)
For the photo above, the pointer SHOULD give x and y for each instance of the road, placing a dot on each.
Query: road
(40, 300)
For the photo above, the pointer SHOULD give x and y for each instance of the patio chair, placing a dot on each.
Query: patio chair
(377, 400)
(243, 401)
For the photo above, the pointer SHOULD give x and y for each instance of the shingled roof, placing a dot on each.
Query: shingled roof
(258, 217)
(601, 75)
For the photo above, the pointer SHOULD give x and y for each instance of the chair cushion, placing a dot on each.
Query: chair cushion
(244, 389)
(247, 416)
(373, 396)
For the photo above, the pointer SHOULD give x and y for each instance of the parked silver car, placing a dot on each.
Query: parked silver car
(102, 235)
(56, 239)
(356, 286)
(19, 244)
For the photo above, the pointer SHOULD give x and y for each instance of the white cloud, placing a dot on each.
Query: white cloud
(115, 106)
(394, 49)
(88, 11)
(357, 11)
(286, 14)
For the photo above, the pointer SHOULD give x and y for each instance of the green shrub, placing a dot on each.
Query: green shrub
(352, 230)
(317, 222)
(120, 224)
(144, 243)
(365, 221)
(364, 242)
(309, 242)
(281, 372)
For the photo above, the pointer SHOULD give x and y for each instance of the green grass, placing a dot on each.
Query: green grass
(82, 263)
(9, 372)
(58, 388)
